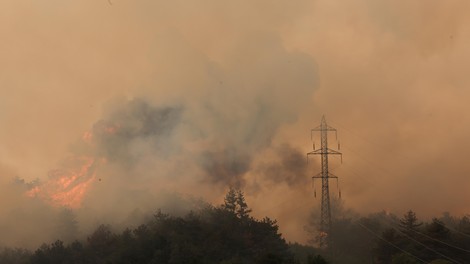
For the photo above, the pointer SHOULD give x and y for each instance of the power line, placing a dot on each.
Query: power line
(456, 230)
(390, 243)
(440, 241)
(432, 238)
(425, 246)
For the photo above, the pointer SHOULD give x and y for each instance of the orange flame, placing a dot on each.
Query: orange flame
(33, 192)
(67, 186)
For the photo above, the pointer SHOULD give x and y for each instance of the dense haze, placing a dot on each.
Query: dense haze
(161, 98)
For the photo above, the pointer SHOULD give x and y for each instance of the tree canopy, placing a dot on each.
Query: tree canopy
(213, 234)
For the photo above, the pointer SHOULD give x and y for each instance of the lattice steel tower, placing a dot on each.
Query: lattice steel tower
(325, 176)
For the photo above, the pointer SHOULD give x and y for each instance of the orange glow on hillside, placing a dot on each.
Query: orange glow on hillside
(67, 187)
(33, 192)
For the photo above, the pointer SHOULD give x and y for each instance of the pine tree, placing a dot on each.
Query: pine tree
(242, 209)
(230, 200)
(409, 222)
(437, 229)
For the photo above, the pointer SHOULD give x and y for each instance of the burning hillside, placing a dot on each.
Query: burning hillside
(111, 139)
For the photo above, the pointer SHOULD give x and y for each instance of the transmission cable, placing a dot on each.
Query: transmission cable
(425, 246)
(440, 241)
(432, 238)
(456, 230)
(393, 245)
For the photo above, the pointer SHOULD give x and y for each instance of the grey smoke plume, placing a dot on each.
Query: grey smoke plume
(289, 167)
(134, 129)
(208, 89)
(211, 141)
(238, 80)
(225, 167)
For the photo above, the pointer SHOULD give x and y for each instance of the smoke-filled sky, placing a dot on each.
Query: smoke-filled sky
(132, 99)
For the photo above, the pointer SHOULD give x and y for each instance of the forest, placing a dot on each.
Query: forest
(388, 239)
(227, 233)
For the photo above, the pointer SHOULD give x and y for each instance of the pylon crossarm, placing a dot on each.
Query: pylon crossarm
(330, 176)
(332, 151)
(328, 151)
(321, 128)
(315, 152)
(317, 176)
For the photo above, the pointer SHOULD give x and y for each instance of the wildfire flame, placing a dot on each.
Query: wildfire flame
(67, 186)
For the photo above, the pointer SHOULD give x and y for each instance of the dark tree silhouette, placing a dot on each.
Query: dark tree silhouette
(224, 234)
(230, 200)
(385, 249)
(316, 260)
(242, 207)
(409, 223)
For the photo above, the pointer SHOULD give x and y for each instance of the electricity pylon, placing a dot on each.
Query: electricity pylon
(325, 176)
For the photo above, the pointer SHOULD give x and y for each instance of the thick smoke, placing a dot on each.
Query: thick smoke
(290, 167)
(209, 92)
(24, 221)
(226, 167)
(134, 130)
(201, 98)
